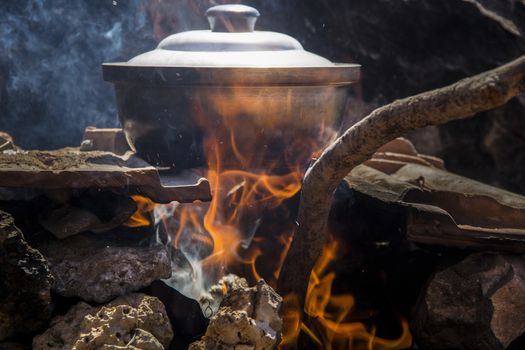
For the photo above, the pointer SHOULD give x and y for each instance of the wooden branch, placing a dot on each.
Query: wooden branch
(462, 99)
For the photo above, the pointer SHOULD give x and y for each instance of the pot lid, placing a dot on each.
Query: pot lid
(230, 42)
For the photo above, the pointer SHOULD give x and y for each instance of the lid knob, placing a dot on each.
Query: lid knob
(232, 18)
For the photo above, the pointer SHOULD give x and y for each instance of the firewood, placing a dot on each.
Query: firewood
(460, 100)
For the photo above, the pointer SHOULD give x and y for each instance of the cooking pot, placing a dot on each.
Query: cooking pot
(259, 92)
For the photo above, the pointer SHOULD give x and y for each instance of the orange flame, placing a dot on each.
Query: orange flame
(327, 313)
(228, 231)
(239, 197)
(144, 206)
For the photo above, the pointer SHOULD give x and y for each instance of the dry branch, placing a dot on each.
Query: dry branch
(460, 100)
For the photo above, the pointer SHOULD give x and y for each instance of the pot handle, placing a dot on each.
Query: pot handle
(232, 18)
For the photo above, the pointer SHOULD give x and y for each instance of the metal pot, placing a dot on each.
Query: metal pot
(231, 82)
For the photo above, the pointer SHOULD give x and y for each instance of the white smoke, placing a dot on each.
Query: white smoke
(51, 84)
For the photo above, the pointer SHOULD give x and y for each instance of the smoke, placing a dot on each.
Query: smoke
(186, 254)
(51, 84)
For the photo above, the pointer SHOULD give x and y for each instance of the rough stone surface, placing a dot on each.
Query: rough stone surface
(135, 321)
(6, 142)
(25, 283)
(477, 303)
(88, 267)
(211, 301)
(248, 318)
(67, 219)
(144, 340)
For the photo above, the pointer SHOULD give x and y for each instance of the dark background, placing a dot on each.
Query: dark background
(51, 86)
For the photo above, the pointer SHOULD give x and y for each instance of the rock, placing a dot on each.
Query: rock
(248, 318)
(135, 321)
(6, 142)
(477, 303)
(91, 212)
(267, 305)
(144, 340)
(93, 269)
(104, 139)
(211, 301)
(25, 283)
(230, 328)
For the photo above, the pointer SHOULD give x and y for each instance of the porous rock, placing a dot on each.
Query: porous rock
(135, 321)
(248, 318)
(25, 283)
(98, 212)
(88, 267)
(211, 301)
(477, 303)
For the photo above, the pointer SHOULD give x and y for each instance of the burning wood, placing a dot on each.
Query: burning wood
(460, 100)
(256, 127)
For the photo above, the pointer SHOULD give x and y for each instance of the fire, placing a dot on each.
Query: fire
(139, 217)
(326, 315)
(246, 229)
(226, 227)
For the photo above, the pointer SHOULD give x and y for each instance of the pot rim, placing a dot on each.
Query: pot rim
(338, 74)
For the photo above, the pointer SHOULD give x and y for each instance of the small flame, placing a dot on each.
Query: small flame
(327, 313)
(139, 217)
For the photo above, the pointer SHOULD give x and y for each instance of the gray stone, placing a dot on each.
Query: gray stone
(248, 319)
(211, 300)
(25, 283)
(144, 340)
(64, 220)
(135, 321)
(88, 267)
(477, 303)
(267, 306)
